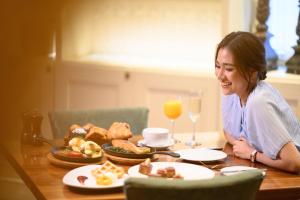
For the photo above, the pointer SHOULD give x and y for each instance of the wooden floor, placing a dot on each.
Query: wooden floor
(11, 185)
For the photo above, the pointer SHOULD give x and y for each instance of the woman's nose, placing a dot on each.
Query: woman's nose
(220, 74)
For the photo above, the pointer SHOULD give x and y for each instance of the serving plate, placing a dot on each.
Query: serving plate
(108, 148)
(70, 179)
(186, 170)
(63, 153)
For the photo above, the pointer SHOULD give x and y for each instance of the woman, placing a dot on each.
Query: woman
(257, 120)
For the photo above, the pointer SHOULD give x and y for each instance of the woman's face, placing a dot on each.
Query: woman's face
(230, 79)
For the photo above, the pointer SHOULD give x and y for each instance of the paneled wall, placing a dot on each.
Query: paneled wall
(88, 86)
(82, 85)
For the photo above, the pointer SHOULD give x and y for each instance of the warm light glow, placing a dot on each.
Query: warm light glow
(157, 34)
(52, 53)
(147, 62)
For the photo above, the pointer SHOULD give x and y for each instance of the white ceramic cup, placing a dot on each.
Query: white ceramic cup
(156, 137)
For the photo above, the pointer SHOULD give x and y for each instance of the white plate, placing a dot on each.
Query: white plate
(168, 144)
(204, 155)
(227, 171)
(70, 178)
(186, 170)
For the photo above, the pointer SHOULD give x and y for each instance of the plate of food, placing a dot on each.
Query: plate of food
(126, 149)
(78, 150)
(202, 154)
(175, 170)
(66, 154)
(102, 176)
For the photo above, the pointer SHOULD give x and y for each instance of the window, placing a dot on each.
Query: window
(282, 24)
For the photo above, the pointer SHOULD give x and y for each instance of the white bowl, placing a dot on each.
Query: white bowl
(156, 136)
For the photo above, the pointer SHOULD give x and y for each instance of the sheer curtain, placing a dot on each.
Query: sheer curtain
(282, 24)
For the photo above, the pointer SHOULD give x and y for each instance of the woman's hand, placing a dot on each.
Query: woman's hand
(242, 149)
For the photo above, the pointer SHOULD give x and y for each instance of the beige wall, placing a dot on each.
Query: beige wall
(26, 39)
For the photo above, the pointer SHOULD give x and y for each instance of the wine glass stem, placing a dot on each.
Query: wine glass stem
(172, 128)
(194, 132)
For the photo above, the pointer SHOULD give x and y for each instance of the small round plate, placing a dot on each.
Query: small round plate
(227, 171)
(202, 155)
(165, 146)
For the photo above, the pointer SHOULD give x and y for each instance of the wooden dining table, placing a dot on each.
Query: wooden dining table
(44, 178)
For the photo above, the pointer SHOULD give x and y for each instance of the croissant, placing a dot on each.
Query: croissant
(119, 130)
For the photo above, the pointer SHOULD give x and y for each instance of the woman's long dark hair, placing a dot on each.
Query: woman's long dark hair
(248, 53)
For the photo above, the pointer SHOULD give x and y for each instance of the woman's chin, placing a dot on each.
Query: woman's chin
(226, 92)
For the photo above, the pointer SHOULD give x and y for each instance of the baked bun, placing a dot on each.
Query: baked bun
(70, 134)
(97, 135)
(88, 126)
(119, 130)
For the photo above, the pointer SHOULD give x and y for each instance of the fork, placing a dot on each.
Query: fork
(214, 167)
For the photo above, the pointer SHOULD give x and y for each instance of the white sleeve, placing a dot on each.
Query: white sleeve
(267, 131)
(231, 115)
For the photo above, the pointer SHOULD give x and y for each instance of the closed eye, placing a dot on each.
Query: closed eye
(229, 69)
(217, 66)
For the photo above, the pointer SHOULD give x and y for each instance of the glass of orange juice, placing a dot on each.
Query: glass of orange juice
(172, 110)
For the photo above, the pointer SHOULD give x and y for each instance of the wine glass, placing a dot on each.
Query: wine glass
(173, 109)
(194, 110)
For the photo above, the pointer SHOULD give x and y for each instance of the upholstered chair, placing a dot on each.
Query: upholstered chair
(236, 187)
(136, 117)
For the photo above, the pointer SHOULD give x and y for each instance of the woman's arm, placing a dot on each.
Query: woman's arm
(288, 158)
(229, 138)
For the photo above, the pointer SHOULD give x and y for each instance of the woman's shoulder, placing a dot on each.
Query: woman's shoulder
(263, 96)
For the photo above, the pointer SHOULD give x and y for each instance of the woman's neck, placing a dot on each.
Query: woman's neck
(243, 99)
(245, 95)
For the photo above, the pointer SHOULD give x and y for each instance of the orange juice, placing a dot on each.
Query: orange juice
(172, 108)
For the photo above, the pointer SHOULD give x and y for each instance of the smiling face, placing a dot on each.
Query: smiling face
(231, 81)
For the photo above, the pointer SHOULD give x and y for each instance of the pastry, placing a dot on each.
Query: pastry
(129, 146)
(119, 130)
(88, 126)
(170, 172)
(97, 134)
(145, 167)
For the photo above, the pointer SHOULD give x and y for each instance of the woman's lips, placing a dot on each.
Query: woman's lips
(224, 85)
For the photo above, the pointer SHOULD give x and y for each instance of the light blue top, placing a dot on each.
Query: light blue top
(266, 121)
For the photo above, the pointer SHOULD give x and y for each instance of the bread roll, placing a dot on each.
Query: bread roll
(88, 126)
(119, 130)
(97, 135)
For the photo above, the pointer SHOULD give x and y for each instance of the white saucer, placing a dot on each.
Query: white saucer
(168, 144)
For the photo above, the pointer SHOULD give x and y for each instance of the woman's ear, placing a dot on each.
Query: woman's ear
(254, 75)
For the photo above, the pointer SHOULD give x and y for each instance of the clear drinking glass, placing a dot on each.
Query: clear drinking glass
(194, 110)
(172, 110)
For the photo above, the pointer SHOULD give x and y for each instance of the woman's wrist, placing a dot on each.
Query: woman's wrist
(253, 155)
